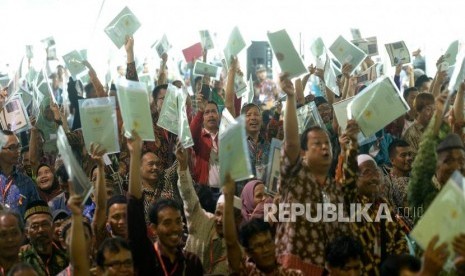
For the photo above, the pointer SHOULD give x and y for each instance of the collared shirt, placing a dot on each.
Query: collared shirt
(20, 192)
(375, 236)
(203, 239)
(214, 162)
(54, 264)
(143, 251)
(302, 239)
(204, 142)
(258, 155)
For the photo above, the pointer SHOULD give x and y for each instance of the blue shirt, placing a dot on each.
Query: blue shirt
(19, 193)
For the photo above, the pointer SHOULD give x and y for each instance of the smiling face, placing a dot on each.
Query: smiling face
(169, 227)
(151, 167)
(45, 178)
(262, 250)
(39, 231)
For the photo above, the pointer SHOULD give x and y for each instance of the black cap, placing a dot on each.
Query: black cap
(452, 141)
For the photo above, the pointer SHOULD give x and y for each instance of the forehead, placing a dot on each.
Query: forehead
(260, 237)
(168, 213)
(8, 221)
(39, 218)
(11, 139)
(401, 150)
(122, 254)
(252, 110)
(317, 134)
(368, 165)
(149, 156)
(210, 106)
(44, 169)
(118, 208)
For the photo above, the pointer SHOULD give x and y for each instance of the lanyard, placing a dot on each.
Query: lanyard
(212, 263)
(6, 189)
(155, 245)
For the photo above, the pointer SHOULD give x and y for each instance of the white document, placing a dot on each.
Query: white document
(99, 123)
(206, 40)
(135, 109)
(226, 121)
(235, 45)
(162, 46)
(377, 105)
(355, 33)
(319, 52)
(274, 167)
(14, 116)
(125, 23)
(249, 95)
(149, 83)
(240, 87)
(444, 217)
(48, 42)
(308, 116)
(368, 76)
(340, 110)
(286, 54)
(458, 75)
(368, 45)
(398, 53)
(169, 114)
(80, 181)
(331, 77)
(234, 153)
(205, 69)
(73, 61)
(346, 52)
(184, 131)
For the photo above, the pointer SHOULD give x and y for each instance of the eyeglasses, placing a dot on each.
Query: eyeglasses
(118, 264)
(44, 225)
(13, 148)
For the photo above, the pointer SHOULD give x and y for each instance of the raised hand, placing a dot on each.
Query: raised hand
(74, 204)
(434, 257)
(97, 152)
(286, 85)
(200, 101)
(352, 131)
(346, 69)
(181, 156)
(229, 185)
(129, 44)
(134, 143)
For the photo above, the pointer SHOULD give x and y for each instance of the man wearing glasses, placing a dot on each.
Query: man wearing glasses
(16, 189)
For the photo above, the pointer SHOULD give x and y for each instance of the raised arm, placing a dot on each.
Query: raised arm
(99, 90)
(229, 91)
(131, 70)
(291, 129)
(233, 248)
(96, 154)
(78, 251)
(162, 77)
(135, 149)
(457, 124)
(195, 215)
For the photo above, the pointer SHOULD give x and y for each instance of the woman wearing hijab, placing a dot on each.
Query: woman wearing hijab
(253, 200)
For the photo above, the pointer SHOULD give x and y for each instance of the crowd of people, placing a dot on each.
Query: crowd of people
(160, 209)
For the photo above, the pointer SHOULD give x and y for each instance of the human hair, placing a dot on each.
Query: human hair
(212, 102)
(67, 227)
(7, 132)
(20, 267)
(249, 106)
(394, 264)
(251, 228)
(341, 250)
(398, 143)
(422, 100)
(157, 90)
(9, 212)
(62, 173)
(421, 80)
(24, 149)
(113, 245)
(116, 199)
(408, 91)
(304, 136)
(160, 205)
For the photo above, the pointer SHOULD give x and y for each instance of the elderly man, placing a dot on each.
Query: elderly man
(41, 252)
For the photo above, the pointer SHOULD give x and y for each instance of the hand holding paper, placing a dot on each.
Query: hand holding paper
(124, 24)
